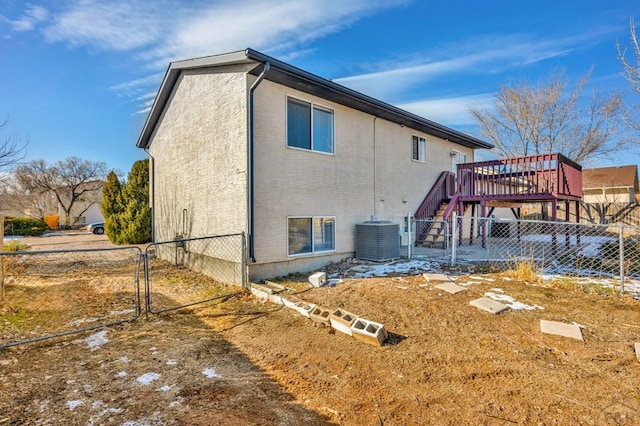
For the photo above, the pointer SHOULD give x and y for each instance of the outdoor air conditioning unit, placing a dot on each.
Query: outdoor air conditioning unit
(377, 240)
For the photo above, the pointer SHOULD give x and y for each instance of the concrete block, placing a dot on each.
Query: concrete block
(320, 315)
(342, 321)
(318, 279)
(263, 288)
(435, 277)
(275, 287)
(561, 329)
(489, 305)
(305, 308)
(451, 288)
(369, 332)
(638, 350)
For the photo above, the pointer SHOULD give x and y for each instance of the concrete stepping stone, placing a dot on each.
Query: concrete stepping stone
(489, 305)
(451, 288)
(436, 277)
(638, 350)
(561, 329)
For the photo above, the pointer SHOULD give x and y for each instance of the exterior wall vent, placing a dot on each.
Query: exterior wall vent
(377, 240)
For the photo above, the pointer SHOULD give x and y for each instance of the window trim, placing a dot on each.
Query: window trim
(313, 250)
(419, 139)
(312, 105)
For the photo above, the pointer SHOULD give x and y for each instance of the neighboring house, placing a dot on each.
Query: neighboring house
(617, 184)
(244, 143)
(86, 209)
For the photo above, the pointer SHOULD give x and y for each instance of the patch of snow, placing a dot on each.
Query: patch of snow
(468, 283)
(210, 373)
(121, 374)
(96, 340)
(124, 359)
(75, 403)
(333, 281)
(511, 302)
(506, 279)
(178, 401)
(80, 321)
(97, 404)
(165, 388)
(497, 290)
(147, 378)
(171, 362)
(414, 266)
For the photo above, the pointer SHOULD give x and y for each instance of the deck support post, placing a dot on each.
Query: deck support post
(483, 226)
(554, 228)
(567, 228)
(460, 222)
(473, 219)
(578, 222)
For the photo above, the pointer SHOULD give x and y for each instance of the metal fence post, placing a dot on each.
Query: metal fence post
(621, 244)
(454, 232)
(409, 241)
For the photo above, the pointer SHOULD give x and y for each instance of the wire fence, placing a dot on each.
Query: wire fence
(186, 272)
(46, 294)
(610, 252)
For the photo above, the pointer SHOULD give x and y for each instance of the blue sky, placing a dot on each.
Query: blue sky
(78, 76)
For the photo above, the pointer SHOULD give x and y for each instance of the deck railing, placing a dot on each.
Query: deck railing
(520, 178)
(443, 189)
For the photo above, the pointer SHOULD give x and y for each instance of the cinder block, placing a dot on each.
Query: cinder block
(320, 315)
(318, 279)
(342, 321)
(369, 332)
(305, 308)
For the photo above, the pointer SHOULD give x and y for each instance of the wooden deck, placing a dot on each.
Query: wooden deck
(532, 178)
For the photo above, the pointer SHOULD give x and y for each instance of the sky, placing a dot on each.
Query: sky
(77, 77)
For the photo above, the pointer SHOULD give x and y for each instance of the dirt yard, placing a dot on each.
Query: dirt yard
(243, 361)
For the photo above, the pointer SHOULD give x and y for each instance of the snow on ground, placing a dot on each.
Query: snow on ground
(590, 243)
(147, 378)
(510, 301)
(210, 373)
(399, 267)
(75, 403)
(96, 340)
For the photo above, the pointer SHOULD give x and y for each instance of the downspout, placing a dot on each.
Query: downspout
(375, 189)
(250, 179)
(152, 173)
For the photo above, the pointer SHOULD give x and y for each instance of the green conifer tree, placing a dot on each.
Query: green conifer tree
(136, 215)
(112, 207)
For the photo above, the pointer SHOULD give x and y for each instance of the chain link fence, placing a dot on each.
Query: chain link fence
(610, 252)
(46, 294)
(186, 272)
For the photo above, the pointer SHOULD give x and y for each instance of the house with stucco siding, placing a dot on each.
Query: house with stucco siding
(244, 143)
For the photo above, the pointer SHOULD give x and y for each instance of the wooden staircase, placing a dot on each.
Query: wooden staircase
(431, 217)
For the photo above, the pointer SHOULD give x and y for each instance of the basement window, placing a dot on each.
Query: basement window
(310, 234)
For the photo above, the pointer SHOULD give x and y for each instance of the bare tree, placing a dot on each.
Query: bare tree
(552, 117)
(11, 151)
(70, 181)
(631, 73)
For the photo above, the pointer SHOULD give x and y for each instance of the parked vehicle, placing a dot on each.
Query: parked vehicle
(97, 228)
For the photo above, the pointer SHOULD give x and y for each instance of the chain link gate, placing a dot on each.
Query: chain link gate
(47, 294)
(191, 271)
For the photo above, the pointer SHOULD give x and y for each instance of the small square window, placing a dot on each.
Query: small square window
(419, 149)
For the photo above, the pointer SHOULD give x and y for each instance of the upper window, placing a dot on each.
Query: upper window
(311, 234)
(309, 126)
(419, 149)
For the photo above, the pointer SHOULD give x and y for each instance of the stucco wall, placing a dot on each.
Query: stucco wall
(199, 156)
(371, 174)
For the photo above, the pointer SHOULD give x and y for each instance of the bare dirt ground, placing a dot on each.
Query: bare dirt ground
(242, 361)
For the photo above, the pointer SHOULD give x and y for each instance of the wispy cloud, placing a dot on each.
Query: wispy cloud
(156, 33)
(452, 111)
(486, 56)
(33, 15)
